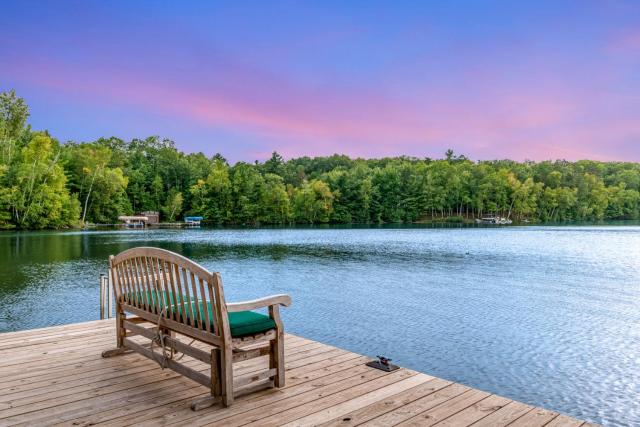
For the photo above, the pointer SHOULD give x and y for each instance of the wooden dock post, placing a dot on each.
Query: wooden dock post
(103, 293)
(106, 297)
(107, 280)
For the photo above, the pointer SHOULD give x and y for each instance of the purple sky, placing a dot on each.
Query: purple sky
(490, 79)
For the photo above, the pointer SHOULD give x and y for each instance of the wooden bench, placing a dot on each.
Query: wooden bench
(181, 297)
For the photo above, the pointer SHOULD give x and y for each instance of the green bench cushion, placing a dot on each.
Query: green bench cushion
(241, 323)
(249, 322)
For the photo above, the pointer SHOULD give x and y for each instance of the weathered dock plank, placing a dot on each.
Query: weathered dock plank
(55, 376)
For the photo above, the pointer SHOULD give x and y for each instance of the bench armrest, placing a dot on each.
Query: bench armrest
(282, 299)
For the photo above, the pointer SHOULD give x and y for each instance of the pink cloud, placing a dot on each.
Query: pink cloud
(626, 42)
(539, 120)
(277, 108)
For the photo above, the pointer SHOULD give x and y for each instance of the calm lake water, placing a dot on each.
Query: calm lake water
(546, 315)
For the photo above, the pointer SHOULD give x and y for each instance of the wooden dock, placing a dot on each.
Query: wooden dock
(55, 376)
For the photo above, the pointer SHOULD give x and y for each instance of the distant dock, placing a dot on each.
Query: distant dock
(147, 226)
(56, 376)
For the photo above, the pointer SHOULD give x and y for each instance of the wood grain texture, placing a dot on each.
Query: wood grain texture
(324, 385)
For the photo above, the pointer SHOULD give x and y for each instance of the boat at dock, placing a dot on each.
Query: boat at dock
(192, 221)
(495, 220)
(135, 221)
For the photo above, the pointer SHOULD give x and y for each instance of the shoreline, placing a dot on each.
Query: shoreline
(406, 225)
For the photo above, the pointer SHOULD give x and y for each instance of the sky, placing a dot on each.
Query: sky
(489, 79)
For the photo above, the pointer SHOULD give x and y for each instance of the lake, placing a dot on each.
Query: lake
(548, 315)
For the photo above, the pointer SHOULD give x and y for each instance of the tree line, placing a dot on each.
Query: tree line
(46, 184)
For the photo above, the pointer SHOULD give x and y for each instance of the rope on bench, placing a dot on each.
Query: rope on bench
(168, 352)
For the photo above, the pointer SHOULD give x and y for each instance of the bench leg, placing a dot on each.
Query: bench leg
(276, 359)
(216, 377)
(276, 355)
(204, 402)
(115, 352)
(226, 375)
(121, 332)
(208, 401)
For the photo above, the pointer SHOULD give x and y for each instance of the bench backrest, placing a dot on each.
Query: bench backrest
(162, 286)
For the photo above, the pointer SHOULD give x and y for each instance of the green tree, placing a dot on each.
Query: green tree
(313, 202)
(39, 197)
(246, 183)
(274, 200)
(13, 117)
(100, 188)
(212, 198)
(157, 189)
(275, 165)
(173, 207)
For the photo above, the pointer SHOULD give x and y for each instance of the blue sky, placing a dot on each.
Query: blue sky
(490, 79)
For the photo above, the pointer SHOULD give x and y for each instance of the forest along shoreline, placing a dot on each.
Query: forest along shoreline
(46, 184)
